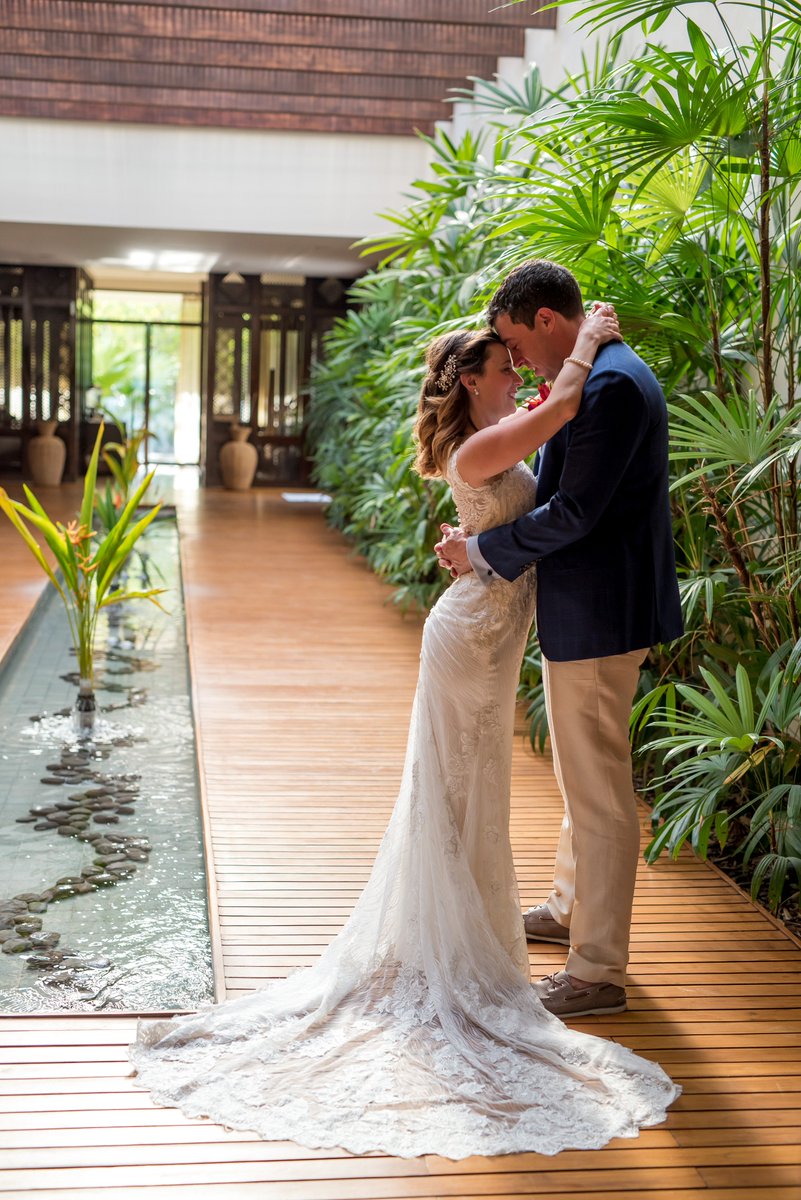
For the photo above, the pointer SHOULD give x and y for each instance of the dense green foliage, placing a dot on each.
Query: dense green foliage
(670, 185)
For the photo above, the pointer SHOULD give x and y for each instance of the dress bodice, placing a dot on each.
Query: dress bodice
(502, 499)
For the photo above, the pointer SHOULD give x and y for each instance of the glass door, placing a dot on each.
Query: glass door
(146, 374)
(119, 372)
(173, 399)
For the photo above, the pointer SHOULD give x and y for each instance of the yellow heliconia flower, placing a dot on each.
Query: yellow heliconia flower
(78, 533)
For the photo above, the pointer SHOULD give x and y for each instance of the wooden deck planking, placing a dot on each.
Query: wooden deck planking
(304, 678)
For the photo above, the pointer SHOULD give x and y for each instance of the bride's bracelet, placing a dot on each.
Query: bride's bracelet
(579, 362)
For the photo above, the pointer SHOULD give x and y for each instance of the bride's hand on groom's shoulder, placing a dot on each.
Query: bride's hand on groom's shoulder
(601, 326)
(605, 315)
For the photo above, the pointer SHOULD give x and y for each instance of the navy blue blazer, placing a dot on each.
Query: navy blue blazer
(601, 533)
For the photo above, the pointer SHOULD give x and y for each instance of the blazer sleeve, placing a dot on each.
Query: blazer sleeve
(602, 441)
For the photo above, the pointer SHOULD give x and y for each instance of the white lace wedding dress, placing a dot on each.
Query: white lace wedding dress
(418, 1031)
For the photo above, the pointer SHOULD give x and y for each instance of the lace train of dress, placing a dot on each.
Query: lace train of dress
(417, 1031)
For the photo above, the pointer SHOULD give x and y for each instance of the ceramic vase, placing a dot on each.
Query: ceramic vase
(46, 455)
(238, 460)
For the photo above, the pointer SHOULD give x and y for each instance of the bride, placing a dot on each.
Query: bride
(418, 1031)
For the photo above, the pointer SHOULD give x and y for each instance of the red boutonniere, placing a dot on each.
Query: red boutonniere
(544, 393)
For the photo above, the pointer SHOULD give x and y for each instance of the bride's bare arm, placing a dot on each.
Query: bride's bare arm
(494, 449)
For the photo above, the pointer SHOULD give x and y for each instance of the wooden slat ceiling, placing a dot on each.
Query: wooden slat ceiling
(341, 66)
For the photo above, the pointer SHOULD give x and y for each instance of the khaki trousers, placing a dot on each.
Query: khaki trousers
(589, 705)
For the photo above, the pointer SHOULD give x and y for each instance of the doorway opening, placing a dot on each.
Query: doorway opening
(146, 370)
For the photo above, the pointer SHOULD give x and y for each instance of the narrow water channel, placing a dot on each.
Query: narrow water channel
(118, 922)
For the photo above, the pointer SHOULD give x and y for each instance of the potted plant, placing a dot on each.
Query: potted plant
(88, 564)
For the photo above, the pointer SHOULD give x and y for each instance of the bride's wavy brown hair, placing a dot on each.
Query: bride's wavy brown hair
(443, 413)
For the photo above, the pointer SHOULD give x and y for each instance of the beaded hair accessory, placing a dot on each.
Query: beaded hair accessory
(444, 381)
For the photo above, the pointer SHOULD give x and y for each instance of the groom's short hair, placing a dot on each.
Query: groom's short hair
(533, 285)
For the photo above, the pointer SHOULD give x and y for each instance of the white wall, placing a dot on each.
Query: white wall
(308, 184)
(561, 49)
(557, 51)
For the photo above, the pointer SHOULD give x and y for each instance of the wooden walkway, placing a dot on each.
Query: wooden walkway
(304, 678)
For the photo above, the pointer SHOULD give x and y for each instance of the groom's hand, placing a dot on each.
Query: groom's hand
(451, 552)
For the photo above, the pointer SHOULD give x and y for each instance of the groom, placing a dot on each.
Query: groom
(602, 540)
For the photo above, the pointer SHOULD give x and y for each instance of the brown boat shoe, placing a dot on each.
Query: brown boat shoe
(562, 999)
(541, 927)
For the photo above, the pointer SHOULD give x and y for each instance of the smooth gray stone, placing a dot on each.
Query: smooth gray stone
(106, 818)
(16, 945)
(63, 892)
(37, 906)
(24, 928)
(43, 941)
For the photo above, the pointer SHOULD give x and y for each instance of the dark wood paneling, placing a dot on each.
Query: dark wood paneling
(234, 25)
(221, 79)
(213, 117)
(247, 102)
(462, 12)
(370, 66)
(247, 54)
